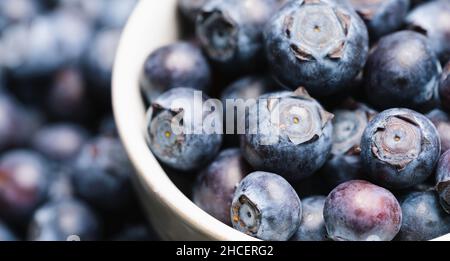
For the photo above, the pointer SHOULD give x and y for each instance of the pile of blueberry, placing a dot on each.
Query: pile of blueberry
(64, 174)
(361, 94)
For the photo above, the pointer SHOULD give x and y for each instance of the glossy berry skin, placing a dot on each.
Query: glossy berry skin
(443, 180)
(182, 149)
(381, 17)
(24, 184)
(310, 38)
(441, 121)
(248, 87)
(444, 88)
(349, 124)
(402, 71)
(312, 226)
(423, 217)
(60, 142)
(191, 8)
(360, 211)
(230, 31)
(400, 148)
(17, 123)
(433, 20)
(6, 234)
(214, 189)
(294, 146)
(176, 65)
(103, 164)
(61, 220)
(265, 206)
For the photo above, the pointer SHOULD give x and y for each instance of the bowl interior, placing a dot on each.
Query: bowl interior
(153, 24)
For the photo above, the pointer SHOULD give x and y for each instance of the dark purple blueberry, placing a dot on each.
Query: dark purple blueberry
(45, 44)
(6, 234)
(312, 226)
(443, 180)
(183, 131)
(441, 120)
(176, 65)
(265, 206)
(444, 88)
(249, 87)
(24, 183)
(360, 211)
(349, 124)
(403, 71)
(102, 174)
(433, 20)
(289, 133)
(214, 189)
(17, 123)
(191, 8)
(60, 142)
(67, 97)
(231, 31)
(309, 38)
(423, 217)
(66, 220)
(99, 60)
(139, 232)
(400, 148)
(381, 16)
(239, 93)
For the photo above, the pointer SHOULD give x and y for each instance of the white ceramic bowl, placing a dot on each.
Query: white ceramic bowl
(173, 215)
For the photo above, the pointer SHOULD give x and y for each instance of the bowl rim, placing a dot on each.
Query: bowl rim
(129, 113)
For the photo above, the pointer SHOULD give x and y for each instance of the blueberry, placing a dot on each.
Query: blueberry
(176, 65)
(60, 142)
(289, 133)
(17, 123)
(400, 148)
(443, 180)
(103, 164)
(396, 78)
(191, 8)
(349, 124)
(441, 120)
(360, 211)
(444, 88)
(67, 97)
(6, 234)
(312, 226)
(240, 92)
(115, 13)
(310, 38)
(44, 45)
(108, 127)
(64, 220)
(230, 31)
(17, 11)
(433, 20)
(214, 189)
(265, 206)
(99, 59)
(25, 182)
(194, 142)
(381, 17)
(423, 218)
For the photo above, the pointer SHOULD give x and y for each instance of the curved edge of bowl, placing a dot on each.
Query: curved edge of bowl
(174, 216)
